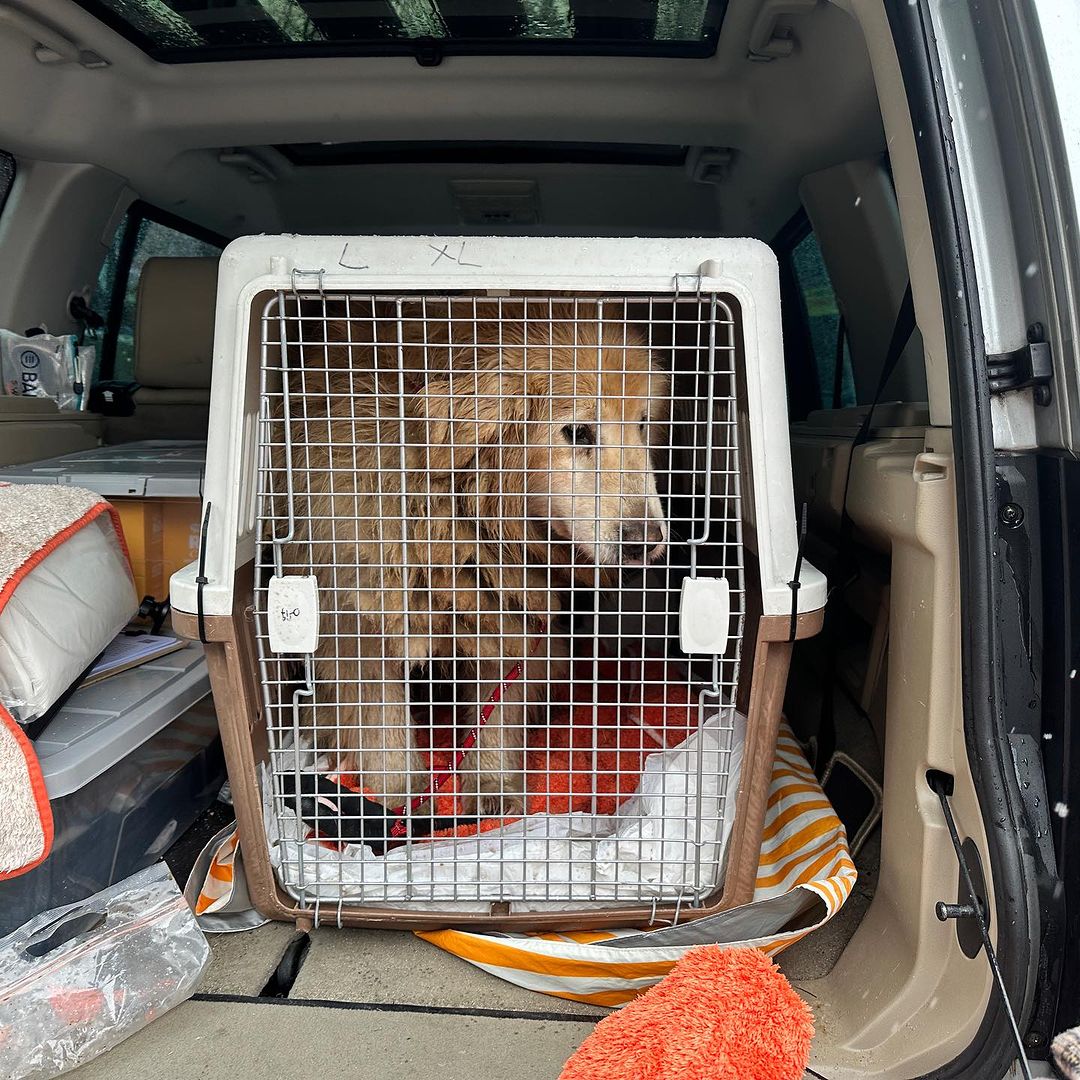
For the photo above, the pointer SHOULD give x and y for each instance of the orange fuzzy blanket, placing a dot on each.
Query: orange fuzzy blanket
(719, 1014)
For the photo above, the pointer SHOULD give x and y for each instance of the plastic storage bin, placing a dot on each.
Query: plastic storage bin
(129, 764)
(156, 487)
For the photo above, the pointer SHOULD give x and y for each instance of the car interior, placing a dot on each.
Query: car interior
(149, 135)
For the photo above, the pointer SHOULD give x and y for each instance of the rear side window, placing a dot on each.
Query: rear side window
(822, 314)
(7, 177)
(144, 234)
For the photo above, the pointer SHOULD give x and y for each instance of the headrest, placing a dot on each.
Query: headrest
(174, 323)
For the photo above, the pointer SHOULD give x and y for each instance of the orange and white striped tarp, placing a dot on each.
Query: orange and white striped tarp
(805, 874)
(217, 889)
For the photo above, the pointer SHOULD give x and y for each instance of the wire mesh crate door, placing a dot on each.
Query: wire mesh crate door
(499, 498)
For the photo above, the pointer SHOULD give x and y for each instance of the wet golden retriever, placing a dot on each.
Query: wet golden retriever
(456, 469)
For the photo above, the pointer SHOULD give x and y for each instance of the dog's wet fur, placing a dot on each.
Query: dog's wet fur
(521, 436)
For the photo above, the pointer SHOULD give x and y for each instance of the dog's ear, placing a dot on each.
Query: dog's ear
(470, 408)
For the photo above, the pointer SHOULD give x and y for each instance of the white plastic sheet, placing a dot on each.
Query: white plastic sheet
(659, 843)
(77, 980)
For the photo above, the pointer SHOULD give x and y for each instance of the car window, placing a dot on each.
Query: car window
(7, 177)
(139, 237)
(823, 323)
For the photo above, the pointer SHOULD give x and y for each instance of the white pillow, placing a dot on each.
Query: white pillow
(61, 615)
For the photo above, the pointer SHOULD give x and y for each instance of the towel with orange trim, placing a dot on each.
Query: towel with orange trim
(65, 591)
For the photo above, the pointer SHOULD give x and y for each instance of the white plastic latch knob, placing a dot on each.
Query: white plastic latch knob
(704, 615)
(292, 614)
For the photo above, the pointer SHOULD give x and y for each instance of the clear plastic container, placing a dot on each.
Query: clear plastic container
(129, 764)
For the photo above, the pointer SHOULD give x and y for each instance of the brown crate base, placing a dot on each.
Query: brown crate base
(231, 659)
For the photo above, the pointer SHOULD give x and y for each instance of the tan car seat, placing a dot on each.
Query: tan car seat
(174, 344)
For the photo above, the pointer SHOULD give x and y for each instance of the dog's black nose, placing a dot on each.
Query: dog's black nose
(643, 534)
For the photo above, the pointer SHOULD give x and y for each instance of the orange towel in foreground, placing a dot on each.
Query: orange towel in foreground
(719, 1014)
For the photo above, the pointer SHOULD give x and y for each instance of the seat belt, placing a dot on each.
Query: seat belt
(838, 370)
(903, 328)
(845, 568)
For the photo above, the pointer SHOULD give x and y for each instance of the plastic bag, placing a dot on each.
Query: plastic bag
(77, 980)
(45, 366)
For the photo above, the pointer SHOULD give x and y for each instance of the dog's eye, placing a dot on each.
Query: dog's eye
(580, 434)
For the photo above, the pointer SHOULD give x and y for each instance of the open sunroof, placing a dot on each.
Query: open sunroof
(179, 31)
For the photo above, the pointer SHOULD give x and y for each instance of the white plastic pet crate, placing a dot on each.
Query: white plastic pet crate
(486, 524)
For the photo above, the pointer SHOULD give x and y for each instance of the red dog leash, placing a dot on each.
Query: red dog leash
(440, 776)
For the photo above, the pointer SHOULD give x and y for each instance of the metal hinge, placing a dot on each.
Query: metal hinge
(1030, 365)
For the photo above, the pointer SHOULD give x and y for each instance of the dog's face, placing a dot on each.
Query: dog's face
(552, 431)
(590, 473)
